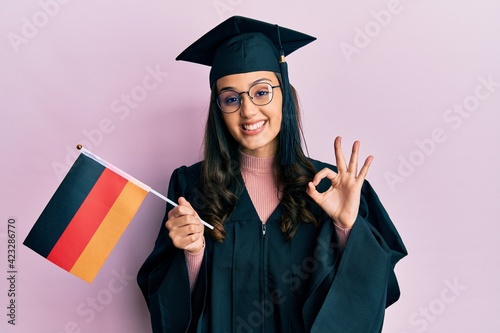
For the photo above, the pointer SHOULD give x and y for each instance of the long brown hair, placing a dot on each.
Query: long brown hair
(221, 182)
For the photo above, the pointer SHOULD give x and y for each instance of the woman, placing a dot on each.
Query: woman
(298, 245)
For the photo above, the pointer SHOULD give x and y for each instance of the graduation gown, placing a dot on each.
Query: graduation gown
(256, 281)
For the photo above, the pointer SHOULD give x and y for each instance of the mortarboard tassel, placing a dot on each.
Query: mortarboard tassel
(289, 134)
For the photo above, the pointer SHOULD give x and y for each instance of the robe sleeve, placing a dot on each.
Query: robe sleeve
(163, 278)
(352, 290)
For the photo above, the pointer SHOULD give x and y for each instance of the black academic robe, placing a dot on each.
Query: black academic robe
(256, 281)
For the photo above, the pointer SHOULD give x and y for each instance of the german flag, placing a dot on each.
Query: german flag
(86, 216)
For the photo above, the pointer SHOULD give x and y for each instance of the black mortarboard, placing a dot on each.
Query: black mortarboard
(242, 45)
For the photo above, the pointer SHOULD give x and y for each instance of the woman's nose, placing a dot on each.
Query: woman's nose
(247, 109)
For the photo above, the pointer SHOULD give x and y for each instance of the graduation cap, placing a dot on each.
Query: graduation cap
(242, 45)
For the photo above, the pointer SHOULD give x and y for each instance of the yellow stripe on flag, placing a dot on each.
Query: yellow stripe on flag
(109, 232)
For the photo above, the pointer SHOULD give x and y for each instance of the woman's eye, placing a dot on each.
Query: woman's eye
(231, 100)
(261, 93)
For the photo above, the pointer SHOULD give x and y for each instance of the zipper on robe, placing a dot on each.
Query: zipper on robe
(264, 270)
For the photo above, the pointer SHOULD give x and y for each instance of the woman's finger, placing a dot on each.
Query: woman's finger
(353, 161)
(364, 170)
(324, 173)
(313, 192)
(184, 208)
(339, 155)
(183, 202)
(186, 235)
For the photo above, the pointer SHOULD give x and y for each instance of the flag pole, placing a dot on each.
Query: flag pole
(175, 205)
(127, 176)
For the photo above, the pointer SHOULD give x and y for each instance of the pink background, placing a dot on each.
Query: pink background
(418, 82)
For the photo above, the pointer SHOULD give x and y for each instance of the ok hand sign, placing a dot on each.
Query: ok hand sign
(341, 200)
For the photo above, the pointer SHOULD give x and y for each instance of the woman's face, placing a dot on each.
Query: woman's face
(255, 128)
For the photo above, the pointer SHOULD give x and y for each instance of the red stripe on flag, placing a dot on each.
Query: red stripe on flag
(87, 219)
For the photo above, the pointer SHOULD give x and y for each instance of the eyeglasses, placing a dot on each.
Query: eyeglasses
(260, 94)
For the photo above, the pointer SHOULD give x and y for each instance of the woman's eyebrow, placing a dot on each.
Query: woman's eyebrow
(260, 80)
(254, 82)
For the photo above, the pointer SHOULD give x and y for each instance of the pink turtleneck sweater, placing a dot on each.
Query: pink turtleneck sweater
(258, 177)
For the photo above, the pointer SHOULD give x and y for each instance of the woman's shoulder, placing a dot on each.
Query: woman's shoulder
(186, 181)
(189, 169)
(187, 173)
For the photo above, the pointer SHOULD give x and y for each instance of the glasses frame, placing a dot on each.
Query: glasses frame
(248, 93)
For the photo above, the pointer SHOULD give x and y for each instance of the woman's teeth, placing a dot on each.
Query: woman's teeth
(253, 127)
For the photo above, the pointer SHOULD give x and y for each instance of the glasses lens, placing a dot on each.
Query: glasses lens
(229, 101)
(262, 93)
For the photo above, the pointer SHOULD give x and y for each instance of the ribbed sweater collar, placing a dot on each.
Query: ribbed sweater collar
(256, 165)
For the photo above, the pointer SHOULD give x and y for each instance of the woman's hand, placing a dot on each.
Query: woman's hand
(341, 200)
(185, 228)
